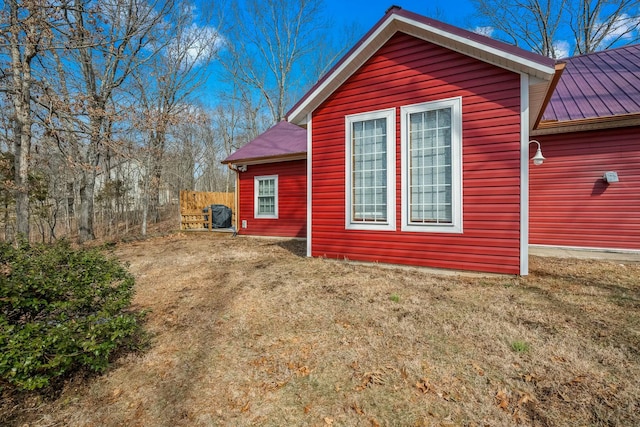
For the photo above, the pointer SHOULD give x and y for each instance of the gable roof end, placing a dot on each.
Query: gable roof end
(283, 141)
(466, 42)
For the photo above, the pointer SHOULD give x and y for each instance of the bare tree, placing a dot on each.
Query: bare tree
(187, 150)
(164, 87)
(554, 28)
(532, 23)
(210, 175)
(598, 25)
(108, 40)
(238, 118)
(268, 43)
(23, 37)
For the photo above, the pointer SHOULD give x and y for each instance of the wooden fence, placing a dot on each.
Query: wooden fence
(193, 202)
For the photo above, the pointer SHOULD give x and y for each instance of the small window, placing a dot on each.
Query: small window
(431, 146)
(370, 171)
(266, 196)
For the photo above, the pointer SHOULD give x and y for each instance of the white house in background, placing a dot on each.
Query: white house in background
(131, 173)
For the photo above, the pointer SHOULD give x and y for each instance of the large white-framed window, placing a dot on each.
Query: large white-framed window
(265, 191)
(431, 158)
(370, 170)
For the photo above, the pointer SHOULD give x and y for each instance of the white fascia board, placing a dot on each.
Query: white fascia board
(299, 115)
(270, 159)
(533, 68)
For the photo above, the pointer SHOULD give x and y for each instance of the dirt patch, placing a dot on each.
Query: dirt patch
(250, 332)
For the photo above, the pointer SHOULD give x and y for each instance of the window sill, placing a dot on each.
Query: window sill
(449, 228)
(370, 227)
(266, 217)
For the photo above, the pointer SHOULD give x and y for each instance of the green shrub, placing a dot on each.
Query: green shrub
(60, 310)
(519, 346)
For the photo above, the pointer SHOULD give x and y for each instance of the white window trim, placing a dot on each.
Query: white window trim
(456, 165)
(256, 186)
(390, 224)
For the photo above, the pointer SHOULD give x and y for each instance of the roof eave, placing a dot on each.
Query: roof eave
(597, 123)
(547, 88)
(395, 22)
(341, 71)
(267, 159)
(478, 50)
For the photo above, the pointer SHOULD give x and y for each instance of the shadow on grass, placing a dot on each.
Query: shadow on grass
(296, 247)
(621, 293)
(606, 329)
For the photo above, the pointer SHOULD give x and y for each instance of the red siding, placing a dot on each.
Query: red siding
(292, 200)
(570, 204)
(407, 71)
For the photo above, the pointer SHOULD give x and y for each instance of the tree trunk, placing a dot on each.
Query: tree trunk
(7, 233)
(145, 196)
(85, 217)
(21, 147)
(157, 151)
(21, 96)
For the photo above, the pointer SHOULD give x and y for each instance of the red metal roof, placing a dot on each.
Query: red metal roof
(600, 84)
(282, 140)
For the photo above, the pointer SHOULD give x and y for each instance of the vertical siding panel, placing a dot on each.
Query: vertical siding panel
(570, 203)
(408, 71)
(292, 200)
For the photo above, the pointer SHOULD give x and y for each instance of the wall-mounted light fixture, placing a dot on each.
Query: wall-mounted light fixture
(610, 177)
(538, 159)
(242, 168)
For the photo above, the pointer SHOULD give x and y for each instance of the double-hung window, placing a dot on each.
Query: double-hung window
(266, 196)
(370, 167)
(431, 146)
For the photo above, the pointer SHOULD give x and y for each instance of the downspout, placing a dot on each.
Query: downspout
(236, 198)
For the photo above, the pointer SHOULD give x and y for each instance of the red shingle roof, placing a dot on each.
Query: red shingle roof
(282, 140)
(601, 84)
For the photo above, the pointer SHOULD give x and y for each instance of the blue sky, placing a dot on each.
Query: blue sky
(365, 13)
(461, 13)
(360, 16)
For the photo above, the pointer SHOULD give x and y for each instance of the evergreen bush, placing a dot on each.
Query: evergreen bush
(61, 310)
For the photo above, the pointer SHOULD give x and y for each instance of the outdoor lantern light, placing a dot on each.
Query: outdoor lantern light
(538, 159)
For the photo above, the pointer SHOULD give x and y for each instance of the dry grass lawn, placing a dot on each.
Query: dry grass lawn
(250, 332)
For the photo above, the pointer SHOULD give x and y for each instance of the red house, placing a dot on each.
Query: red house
(418, 153)
(590, 127)
(271, 186)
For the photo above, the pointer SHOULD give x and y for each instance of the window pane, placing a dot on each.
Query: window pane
(369, 175)
(430, 176)
(444, 118)
(430, 119)
(266, 196)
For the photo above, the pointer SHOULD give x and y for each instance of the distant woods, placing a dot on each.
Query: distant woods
(108, 109)
(561, 28)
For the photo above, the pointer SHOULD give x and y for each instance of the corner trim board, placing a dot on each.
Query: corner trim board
(309, 180)
(524, 174)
